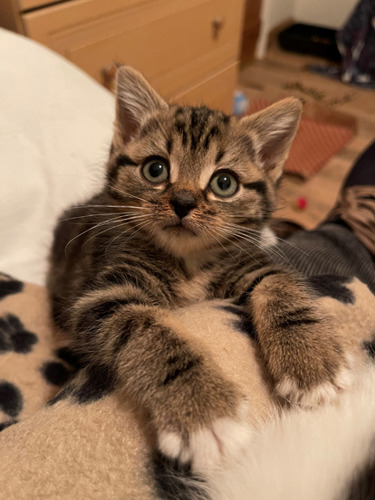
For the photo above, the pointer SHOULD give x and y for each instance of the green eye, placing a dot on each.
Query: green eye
(224, 185)
(155, 171)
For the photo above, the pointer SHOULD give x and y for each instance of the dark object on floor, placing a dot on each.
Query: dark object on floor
(356, 42)
(335, 72)
(308, 39)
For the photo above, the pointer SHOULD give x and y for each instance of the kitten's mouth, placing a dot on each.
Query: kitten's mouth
(181, 228)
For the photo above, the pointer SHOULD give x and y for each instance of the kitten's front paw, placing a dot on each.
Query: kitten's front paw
(317, 381)
(209, 446)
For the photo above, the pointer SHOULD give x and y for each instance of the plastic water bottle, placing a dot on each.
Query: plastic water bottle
(240, 103)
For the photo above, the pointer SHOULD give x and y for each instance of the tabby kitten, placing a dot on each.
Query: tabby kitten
(182, 218)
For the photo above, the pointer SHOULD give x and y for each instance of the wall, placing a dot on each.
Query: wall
(273, 12)
(328, 13)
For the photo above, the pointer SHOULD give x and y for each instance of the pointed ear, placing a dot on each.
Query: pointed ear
(272, 132)
(135, 101)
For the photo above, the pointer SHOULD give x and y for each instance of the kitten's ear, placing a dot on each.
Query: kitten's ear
(135, 100)
(272, 132)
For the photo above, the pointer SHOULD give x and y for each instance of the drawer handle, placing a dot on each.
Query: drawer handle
(109, 75)
(217, 24)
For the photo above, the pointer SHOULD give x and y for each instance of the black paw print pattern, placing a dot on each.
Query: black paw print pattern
(14, 336)
(61, 370)
(11, 402)
(9, 286)
(95, 382)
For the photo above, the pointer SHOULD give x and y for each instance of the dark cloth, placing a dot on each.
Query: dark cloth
(355, 207)
(331, 249)
(363, 171)
(356, 210)
(344, 245)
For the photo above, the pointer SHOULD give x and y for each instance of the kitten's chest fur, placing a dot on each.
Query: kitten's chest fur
(202, 278)
(194, 288)
(188, 281)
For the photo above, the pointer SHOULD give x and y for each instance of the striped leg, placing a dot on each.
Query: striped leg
(196, 412)
(304, 354)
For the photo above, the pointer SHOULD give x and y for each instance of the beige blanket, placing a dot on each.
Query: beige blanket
(90, 442)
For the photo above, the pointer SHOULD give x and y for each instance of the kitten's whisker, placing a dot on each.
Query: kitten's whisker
(238, 228)
(102, 232)
(251, 255)
(217, 239)
(111, 228)
(139, 226)
(126, 193)
(91, 229)
(131, 216)
(273, 251)
(122, 224)
(244, 228)
(129, 220)
(250, 239)
(103, 223)
(239, 216)
(109, 206)
(225, 236)
(287, 242)
(90, 215)
(276, 250)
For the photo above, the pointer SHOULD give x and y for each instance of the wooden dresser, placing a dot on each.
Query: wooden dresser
(188, 49)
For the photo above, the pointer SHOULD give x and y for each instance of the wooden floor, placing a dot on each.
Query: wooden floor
(282, 74)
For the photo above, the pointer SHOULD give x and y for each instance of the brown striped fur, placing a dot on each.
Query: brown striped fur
(124, 259)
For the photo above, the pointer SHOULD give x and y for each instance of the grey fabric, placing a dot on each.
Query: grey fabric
(330, 249)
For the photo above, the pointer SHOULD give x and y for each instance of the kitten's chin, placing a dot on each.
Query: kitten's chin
(181, 230)
(181, 241)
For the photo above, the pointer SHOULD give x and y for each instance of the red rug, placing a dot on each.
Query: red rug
(319, 137)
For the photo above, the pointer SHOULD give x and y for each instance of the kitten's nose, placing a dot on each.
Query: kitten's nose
(183, 202)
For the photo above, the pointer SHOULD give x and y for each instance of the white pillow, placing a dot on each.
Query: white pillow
(55, 134)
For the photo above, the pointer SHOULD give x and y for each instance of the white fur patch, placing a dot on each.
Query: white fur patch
(267, 238)
(322, 394)
(170, 444)
(303, 454)
(209, 447)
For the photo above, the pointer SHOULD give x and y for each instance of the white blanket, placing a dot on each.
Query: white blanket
(55, 132)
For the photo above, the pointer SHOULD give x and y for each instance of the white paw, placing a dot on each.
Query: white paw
(208, 447)
(327, 392)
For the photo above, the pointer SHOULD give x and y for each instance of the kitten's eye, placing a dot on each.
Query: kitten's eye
(155, 171)
(224, 185)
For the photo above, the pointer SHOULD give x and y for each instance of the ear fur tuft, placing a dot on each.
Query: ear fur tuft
(272, 132)
(135, 101)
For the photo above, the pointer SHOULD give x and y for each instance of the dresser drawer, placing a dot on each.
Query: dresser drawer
(216, 91)
(32, 4)
(175, 43)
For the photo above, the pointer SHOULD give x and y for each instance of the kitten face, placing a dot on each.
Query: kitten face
(197, 176)
(193, 170)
